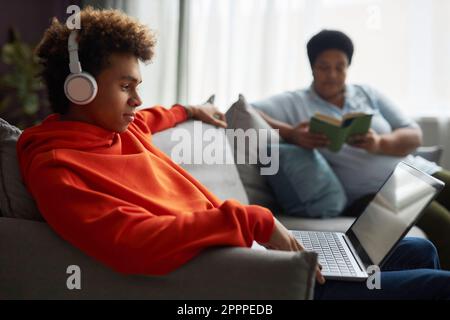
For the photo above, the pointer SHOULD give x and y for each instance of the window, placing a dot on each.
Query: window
(258, 48)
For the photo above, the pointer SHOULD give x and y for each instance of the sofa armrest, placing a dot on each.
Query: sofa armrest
(34, 260)
(431, 153)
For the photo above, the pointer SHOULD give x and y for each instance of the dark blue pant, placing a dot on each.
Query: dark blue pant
(412, 272)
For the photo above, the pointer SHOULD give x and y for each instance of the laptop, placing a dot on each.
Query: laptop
(370, 240)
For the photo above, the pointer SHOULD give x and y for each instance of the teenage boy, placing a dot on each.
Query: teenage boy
(97, 178)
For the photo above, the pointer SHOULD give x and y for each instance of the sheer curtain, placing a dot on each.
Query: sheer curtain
(254, 47)
(160, 77)
(258, 47)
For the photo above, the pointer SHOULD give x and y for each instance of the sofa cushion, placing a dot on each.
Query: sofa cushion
(305, 185)
(15, 200)
(242, 115)
(35, 268)
(220, 177)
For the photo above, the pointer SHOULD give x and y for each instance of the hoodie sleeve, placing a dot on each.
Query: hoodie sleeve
(129, 238)
(158, 118)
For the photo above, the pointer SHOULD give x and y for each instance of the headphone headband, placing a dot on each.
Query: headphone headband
(80, 87)
(74, 65)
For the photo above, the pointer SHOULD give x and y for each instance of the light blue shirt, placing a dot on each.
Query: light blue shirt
(360, 172)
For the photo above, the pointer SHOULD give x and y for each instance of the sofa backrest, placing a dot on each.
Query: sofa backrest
(220, 177)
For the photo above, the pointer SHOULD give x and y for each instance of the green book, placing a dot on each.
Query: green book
(339, 130)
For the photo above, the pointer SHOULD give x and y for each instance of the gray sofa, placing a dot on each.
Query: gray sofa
(34, 260)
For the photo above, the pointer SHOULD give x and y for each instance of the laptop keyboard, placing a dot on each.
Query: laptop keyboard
(332, 256)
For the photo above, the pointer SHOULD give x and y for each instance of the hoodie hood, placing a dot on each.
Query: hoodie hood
(53, 134)
(123, 202)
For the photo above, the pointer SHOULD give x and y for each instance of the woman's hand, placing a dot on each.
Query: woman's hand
(369, 141)
(301, 136)
(208, 113)
(282, 239)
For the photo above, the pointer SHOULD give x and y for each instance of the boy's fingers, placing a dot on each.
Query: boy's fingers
(219, 123)
(319, 276)
(298, 246)
(220, 116)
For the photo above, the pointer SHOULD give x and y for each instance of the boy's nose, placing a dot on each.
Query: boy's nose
(135, 101)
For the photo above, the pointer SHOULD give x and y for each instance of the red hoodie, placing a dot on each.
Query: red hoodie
(124, 202)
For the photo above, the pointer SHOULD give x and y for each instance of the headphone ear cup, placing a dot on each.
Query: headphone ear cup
(80, 88)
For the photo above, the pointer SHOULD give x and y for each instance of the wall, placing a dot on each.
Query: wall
(30, 17)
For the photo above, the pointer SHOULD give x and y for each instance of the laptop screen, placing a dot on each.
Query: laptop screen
(392, 212)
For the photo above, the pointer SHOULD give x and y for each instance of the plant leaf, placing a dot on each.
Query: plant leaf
(31, 104)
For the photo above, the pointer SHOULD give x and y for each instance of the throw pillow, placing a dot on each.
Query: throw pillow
(15, 200)
(241, 115)
(305, 185)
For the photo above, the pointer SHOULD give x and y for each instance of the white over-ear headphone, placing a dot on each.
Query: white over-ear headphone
(80, 87)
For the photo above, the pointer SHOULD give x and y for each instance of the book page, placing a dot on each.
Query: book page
(328, 119)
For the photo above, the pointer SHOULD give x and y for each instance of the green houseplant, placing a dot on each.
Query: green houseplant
(22, 101)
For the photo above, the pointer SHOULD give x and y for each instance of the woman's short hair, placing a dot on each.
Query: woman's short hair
(326, 40)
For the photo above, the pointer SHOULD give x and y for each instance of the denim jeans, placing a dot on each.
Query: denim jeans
(411, 272)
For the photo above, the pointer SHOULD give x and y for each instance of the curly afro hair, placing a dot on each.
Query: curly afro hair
(102, 33)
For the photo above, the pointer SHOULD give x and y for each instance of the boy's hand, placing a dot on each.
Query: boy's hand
(282, 239)
(208, 113)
